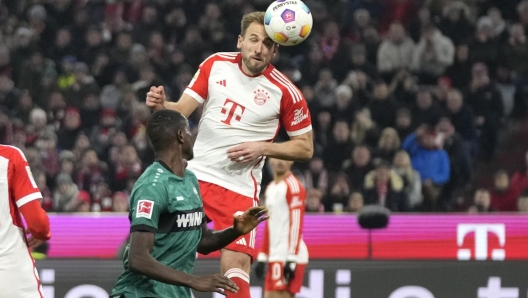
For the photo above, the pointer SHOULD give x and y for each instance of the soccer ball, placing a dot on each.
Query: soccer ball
(288, 22)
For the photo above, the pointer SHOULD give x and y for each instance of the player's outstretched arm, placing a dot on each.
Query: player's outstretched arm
(298, 148)
(157, 100)
(141, 261)
(243, 224)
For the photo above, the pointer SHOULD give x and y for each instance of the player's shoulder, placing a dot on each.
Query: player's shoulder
(220, 56)
(294, 184)
(12, 153)
(190, 174)
(288, 88)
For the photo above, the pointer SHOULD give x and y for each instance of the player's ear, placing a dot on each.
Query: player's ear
(181, 136)
(239, 42)
(275, 49)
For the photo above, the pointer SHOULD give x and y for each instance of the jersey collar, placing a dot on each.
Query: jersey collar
(166, 166)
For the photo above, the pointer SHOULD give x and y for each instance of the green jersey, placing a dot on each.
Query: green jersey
(171, 207)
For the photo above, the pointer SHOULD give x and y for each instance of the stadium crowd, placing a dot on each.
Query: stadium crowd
(405, 95)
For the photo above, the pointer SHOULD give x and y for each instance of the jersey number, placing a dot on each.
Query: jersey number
(233, 110)
(276, 271)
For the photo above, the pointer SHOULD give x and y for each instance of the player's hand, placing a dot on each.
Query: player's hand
(260, 270)
(156, 98)
(289, 271)
(246, 152)
(214, 283)
(247, 221)
(32, 241)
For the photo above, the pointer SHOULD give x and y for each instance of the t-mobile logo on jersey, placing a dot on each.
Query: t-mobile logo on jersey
(481, 241)
(231, 107)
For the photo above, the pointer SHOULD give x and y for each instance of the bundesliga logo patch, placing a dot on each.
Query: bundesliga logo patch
(144, 209)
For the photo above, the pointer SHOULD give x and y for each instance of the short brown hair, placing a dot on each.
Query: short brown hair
(252, 17)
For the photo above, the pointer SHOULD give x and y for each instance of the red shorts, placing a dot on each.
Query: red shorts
(275, 280)
(219, 206)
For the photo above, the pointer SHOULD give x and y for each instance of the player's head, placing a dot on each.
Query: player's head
(169, 130)
(256, 46)
(279, 166)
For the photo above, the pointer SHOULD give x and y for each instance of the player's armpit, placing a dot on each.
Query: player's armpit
(298, 148)
(37, 220)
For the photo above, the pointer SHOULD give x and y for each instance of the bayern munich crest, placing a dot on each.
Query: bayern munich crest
(261, 96)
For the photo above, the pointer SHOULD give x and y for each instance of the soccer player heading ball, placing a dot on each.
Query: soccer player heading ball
(245, 99)
(167, 222)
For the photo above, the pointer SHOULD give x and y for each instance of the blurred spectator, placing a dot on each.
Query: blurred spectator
(355, 202)
(432, 55)
(324, 88)
(460, 71)
(499, 24)
(519, 180)
(47, 197)
(67, 162)
(503, 196)
(359, 62)
(395, 52)
(316, 175)
(385, 188)
(431, 161)
(389, 143)
(522, 12)
(323, 129)
(128, 168)
(374, 7)
(357, 167)
(481, 202)
(404, 88)
(440, 91)
(63, 46)
(425, 111)
(102, 133)
(84, 85)
(24, 107)
(8, 94)
(403, 11)
(345, 105)
(149, 22)
(70, 129)
(120, 202)
(337, 197)
(112, 94)
(403, 123)
(66, 77)
(84, 202)
(515, 51)
(460, 162)
(357, 25)
(486, 101)
(313, 201)
(484, 47)
(339, 147)
(455, 22)
(66, 194)
(91, 112)
(383, 106)
(462, 117)
(335, 49)
(412, 184)
(417, 26)
(101, 196)
(90, 170)
(522, 202)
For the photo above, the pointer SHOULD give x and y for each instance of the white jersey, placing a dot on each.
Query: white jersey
(285, 201)
(18, 274)
(238, 108)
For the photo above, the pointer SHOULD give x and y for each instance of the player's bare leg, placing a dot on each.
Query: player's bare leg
(236, 265)
(278, 294)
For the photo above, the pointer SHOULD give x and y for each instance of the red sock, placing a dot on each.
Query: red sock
(241, 279)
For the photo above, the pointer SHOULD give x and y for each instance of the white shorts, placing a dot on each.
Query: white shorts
(18, 274)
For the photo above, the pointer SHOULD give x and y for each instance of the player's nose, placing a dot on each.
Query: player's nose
(258, 49)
